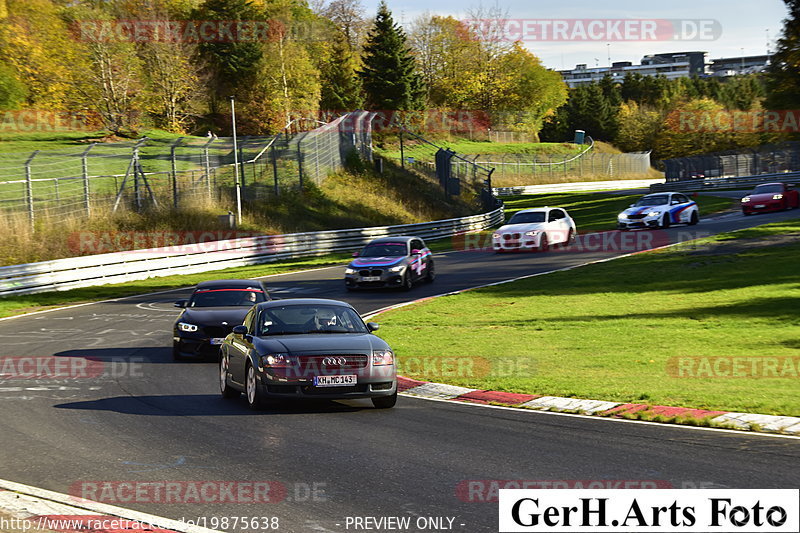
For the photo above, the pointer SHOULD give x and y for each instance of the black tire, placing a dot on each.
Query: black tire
(745, 213)
(385, 402)
(226, 390)
(254, 396)
(431, 275)
(408, 283)
(176, 354)
(694, 219)
(665, 221)
(543, 244)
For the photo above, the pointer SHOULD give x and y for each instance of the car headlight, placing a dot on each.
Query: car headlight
(654, 213)
(349, 270)
(398, 268)
(745, 199)
(531, 233)
(622, 215)
(777, 196)
(185, 326)
(496, 235)
(382, 357)
(276, 360)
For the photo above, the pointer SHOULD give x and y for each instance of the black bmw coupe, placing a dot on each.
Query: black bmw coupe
(214, 308)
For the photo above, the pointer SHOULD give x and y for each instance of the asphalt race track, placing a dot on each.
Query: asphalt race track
(156, 420)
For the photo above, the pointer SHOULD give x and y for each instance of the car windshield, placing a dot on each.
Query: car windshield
(384, 249)
(768, 189)
(306, 319)
(527, 218)
(227, 297)
(655, 199)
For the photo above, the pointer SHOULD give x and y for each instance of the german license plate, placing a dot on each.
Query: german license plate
(217, 340)
(371, 278)
(760, 206)
(335, 381)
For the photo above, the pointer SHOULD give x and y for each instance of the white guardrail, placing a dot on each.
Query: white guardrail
(576, 186)
(119, 267)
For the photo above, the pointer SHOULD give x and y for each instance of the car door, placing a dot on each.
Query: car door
(239, 347)
(418, 264)
(552, 228)
(682, 213)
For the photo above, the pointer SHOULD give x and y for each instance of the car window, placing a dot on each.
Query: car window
(768, 189)
(305, 319)
(387, 249)
(527, 218)
(417, 244)
(681, 199)
(248, 296)
(653, 199)
(248, 320)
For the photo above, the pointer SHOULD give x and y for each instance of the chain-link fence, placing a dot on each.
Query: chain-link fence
(100, 176)
(532, 169)
(766, 159)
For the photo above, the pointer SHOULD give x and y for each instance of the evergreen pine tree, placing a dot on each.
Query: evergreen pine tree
(341, 87)
(389, 74)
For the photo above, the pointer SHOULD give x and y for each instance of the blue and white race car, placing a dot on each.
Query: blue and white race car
(659, 210)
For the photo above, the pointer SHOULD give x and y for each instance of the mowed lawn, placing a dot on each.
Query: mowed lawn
(621, 330)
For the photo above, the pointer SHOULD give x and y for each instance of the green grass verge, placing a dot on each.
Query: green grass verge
(16, 305)
(426, 152)
(608, 331)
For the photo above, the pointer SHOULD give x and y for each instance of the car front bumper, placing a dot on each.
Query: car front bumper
(385, 280)
(304, 388)
(513, 244)
(762, 207)
(647, 222)
(195, 347)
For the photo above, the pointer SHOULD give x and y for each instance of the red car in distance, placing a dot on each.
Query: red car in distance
(770, 197)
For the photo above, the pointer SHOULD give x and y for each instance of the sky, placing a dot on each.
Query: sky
(744, 25)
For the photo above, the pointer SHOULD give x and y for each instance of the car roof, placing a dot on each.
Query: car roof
(771, 183)
(230, 284)
(303, 301)
(399, 238)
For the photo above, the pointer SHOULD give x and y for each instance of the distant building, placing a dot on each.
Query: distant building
(731, 66)
(670, 65)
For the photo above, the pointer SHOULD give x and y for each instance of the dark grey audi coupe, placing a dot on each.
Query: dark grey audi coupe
(307, 348)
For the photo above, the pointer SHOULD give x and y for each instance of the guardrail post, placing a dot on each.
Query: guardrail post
(29, 186)
(85, 168)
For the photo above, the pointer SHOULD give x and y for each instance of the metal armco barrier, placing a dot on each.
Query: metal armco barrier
(699, 184)
(119, 267)
(575, 186)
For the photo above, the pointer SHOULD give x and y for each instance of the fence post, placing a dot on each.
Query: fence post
(85, 165)
(174, 172)
(29, 186)
(274, 158)
(207, 165)
(300, 162)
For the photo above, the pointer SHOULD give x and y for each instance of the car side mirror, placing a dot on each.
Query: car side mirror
(416, 252)
(240, 330)
(180, 303)
(355, 254)
(373, 326)
(630, 205)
